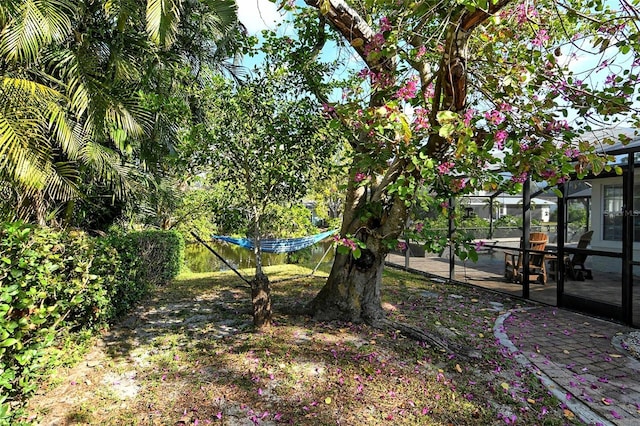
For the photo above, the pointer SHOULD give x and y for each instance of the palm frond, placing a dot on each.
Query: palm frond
(62, 181)
(64, 130)
(29, 88)
(222, 18)
(163, 17)
(109, 167)
(36, 24)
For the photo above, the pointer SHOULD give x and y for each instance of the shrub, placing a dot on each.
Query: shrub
(56, 283)
(161, 254)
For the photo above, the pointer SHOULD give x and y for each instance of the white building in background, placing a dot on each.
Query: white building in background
(478, 205)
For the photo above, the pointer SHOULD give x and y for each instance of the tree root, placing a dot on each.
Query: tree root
(418, 334)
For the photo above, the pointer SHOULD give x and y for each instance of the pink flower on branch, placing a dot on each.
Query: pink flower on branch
(385, 24)
(500, 137)
(421, 120)
(468, 116)
(445, 168)
(541, 38)
(409, 90)
(521, 178)
(494, 117)
(359, 177)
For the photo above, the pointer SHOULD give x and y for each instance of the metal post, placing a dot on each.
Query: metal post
(491, 200)
(526, 228)
(406, 257)
(627, 240)
(452, 256)
(560, 239)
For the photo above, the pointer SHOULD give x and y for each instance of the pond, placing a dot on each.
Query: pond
(199, 259)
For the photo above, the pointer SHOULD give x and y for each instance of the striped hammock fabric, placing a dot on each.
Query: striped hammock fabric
(278, 245)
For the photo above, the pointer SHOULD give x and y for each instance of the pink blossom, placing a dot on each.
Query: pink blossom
(402, 246)
(458, 184)
(468, 116)
(556, 126)
(610, 80)
(409, 90)
(445, 168)
(375, 45)
(495, 117)
(345, 242)
(500, 137)
(419, 226)
(421, 52)
(430, 91)
(381, 79)
(522, 177)
(444, 204)
(479, 245)
(359, 177)
(572, 153)
(546, 174)
(541, 38)
(524, 12)
(363, 73)
(421, 120)
(385, 24)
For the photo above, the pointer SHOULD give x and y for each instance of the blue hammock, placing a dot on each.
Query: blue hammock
(279, 245)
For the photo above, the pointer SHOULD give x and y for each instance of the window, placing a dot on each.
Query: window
(612, 212)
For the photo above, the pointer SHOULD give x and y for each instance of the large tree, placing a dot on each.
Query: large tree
(450, 92)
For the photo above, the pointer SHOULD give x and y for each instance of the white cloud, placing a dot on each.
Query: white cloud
(258, 15)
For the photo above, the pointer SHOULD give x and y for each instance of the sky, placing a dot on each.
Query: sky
(258, 15)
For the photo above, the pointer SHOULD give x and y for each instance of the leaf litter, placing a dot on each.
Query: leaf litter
(189, 355)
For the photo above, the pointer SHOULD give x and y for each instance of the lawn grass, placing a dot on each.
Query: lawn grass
(189, 354)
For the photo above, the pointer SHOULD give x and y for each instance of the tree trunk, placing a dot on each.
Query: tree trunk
(261, 300)
(260, 285)
(352, 291)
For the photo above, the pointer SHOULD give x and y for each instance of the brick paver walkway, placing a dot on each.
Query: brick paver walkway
(579, 358)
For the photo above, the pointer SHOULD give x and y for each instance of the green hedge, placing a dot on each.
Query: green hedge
(54, 285)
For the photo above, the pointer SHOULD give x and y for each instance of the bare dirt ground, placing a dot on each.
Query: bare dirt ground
(189, 355)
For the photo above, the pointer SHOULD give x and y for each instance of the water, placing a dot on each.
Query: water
(199, 259)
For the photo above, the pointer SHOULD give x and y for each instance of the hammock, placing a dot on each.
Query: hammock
(281, 245)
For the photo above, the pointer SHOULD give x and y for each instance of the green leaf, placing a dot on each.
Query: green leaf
(357, 253)
(325, 7)
(446, 130)
(8, 342)
(444, 116)
(343, 250)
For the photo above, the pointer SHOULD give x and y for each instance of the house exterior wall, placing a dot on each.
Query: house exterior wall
(598, 241)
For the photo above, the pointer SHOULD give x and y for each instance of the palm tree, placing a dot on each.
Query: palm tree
(74, 79)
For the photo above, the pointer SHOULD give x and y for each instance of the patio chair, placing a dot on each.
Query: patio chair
(513, 267)
(574, 265)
